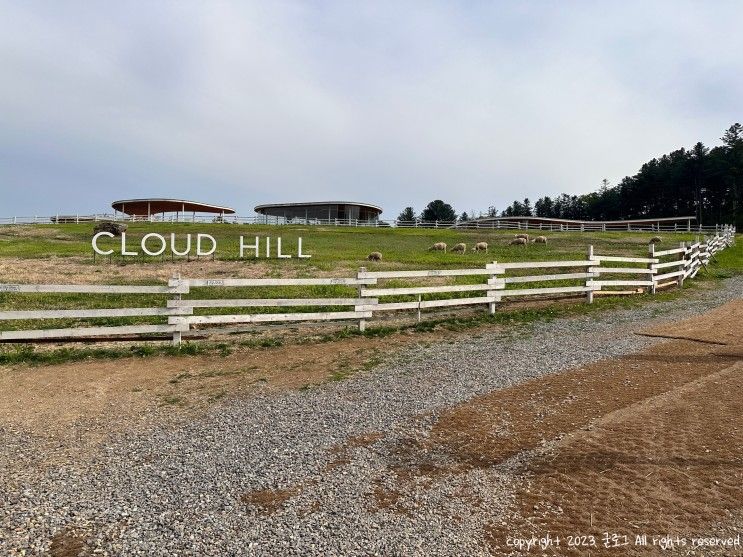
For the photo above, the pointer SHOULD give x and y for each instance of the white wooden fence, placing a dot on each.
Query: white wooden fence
(483, 223)
(597, 274)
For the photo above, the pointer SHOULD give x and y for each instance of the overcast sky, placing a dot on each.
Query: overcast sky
(394, 103)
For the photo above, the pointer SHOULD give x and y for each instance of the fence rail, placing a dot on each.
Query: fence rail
(585, 277)
(585, 226)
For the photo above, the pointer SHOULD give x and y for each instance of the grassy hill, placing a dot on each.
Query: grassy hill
(45, 254)
(332, 248)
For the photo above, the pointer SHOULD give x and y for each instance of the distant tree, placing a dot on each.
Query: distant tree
(464, 217)
(733, 136)
(527, 208)
(603, 204)
(697, 162)
(437, 210)
(544, 207)
(492, 211)
(511, 210)
(732, 142)
(408, 214)
(518, 209)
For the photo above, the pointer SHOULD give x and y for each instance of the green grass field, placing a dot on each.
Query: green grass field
(337, 251)
(331, 248)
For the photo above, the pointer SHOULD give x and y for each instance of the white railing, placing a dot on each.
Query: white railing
(376, 223)
(595, 275)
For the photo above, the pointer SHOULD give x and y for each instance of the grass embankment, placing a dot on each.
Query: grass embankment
(334, 250)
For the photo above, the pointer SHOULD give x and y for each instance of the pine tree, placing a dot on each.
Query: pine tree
(407, 215)
(439, 211)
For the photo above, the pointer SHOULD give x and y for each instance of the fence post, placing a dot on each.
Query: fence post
(362, 322)
(651, 266)
(682, 267)
(176, 281)
(589, 280)
(497, 283)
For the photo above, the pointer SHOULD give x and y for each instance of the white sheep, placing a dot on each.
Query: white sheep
(438, 246)
(374, 256)
(539, 240)
(524, 236)
(481, 246)
(459, 248)
(519, 242)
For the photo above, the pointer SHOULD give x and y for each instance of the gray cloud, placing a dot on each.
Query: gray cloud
(392, 103)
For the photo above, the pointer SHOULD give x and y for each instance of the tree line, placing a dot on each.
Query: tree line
(704, 182)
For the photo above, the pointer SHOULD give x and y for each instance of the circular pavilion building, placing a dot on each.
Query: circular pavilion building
(321, 211)
(147, 208)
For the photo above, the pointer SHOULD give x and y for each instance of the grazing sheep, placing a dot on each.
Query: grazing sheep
(374, 256)
(655, 240)
(519, 242)
(539, 240)
(481, 246)
(438, 246)
(459, 248)
(524, 236)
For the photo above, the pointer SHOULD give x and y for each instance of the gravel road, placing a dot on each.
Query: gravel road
(181, 491)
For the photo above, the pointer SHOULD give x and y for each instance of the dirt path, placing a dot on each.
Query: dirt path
(98, 397)
(670, 464)
(644, 444)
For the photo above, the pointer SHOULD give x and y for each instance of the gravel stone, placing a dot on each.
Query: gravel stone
(177, 490)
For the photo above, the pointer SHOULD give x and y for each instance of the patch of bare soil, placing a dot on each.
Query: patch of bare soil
(718, 326)
(268, 501)
(668, 465)
(648, 443)
(84, 401)
(77, 270)
(70, 542)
